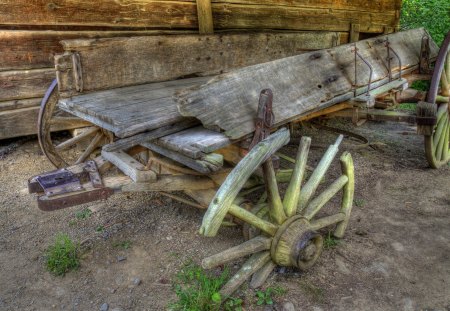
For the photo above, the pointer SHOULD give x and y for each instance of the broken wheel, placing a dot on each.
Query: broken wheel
(61, 151)
(289, 231)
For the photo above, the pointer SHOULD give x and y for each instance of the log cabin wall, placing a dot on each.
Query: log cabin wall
(31, 31)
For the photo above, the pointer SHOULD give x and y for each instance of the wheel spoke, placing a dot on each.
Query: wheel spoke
(445, 85)
(311, 185)
(252, 219)
(68, 122)
(441, 116)
(292, 194)
(441, 139)
(69, 143)
(315, 205)
(348, 170)
(253, 264)
(260, 276)
(276, 206)
(446, 147)
(249, 247)
(327, 221)
(94, 144)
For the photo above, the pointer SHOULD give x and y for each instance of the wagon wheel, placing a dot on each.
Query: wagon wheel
(437, 147)
(61, 153)
(289, 233)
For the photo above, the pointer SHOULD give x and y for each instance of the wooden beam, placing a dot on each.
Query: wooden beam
(354, 32)
(309, 82)
(140, 60)
(21, 84)
(129, 166)
(19, 104)
(205, 18)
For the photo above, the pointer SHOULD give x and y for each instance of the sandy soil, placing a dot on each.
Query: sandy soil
(395, 255)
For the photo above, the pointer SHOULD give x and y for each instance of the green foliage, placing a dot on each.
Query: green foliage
(122, 244)
(434, 15)
(62, 256)
(100, 228)
(265, 297)
(360, 202)
(330, 241)
(198, 290)
(83, 214)
(233, 304)
(421, 85)
(407, 107)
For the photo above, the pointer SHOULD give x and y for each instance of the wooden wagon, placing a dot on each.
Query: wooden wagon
(215, 138)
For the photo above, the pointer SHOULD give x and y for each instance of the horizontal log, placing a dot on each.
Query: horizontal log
(21, 122)
(20, 84)
(19, 104)
(117, 62)
(323, 15)
(33, 49)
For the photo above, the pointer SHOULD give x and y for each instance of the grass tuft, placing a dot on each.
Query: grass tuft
(83, 214)
(265, 297)
(122, 244)
(330, 241)
(62, 256)
(198, 290)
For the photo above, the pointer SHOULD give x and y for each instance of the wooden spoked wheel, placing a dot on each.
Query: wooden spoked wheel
(60, 151)
(288, 227)
(437, 146)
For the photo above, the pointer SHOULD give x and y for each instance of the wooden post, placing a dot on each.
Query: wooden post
(354, 32)
(205, 18)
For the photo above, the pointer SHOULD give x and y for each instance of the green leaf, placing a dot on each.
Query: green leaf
(216, 297)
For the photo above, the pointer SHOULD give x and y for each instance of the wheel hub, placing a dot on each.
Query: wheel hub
(296, 245)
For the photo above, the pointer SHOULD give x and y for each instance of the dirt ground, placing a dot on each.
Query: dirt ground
(395, 254)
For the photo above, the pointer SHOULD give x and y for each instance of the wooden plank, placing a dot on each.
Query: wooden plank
(299, 15)
(195, 141)
(354, 32)
(117, 62)
(205, 18)
(32, 49)
(25, 83)
(301, 84)
(129, 166)
(358, 5)
(20, 103)
(131, 110)
(232, 16)
(21, 122)
(135, 140)
(200, 165)
(124, 13)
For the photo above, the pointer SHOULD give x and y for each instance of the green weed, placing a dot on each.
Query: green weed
(100, 228)
(407, 107)
(83, 214)
(122, 244)
(359, 202)
(198, 290)
(62, 256)
(420, 85)
(233, 304)
(265, 297)
(330, 241)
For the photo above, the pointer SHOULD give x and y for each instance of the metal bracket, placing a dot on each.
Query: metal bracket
(265, 118)
(358, 55)
(389, 50)
(59, 182)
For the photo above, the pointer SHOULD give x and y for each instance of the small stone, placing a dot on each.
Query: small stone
(288, 306)
(121, 258)
(169, 238)
(104, 307)
(137, 281)
(112, 291)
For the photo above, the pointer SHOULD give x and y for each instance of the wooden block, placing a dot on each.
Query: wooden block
(139, 60)
(205, 18)
(129, 166)
(309, 82)
(20, 84)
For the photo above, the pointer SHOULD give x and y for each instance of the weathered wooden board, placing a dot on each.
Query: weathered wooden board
(195, 141)
(300, 84)
(20, 122)
(20, 84)
(130, 110)
(32, 49)
(117, 62)
(20, 103)
(299, 15)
